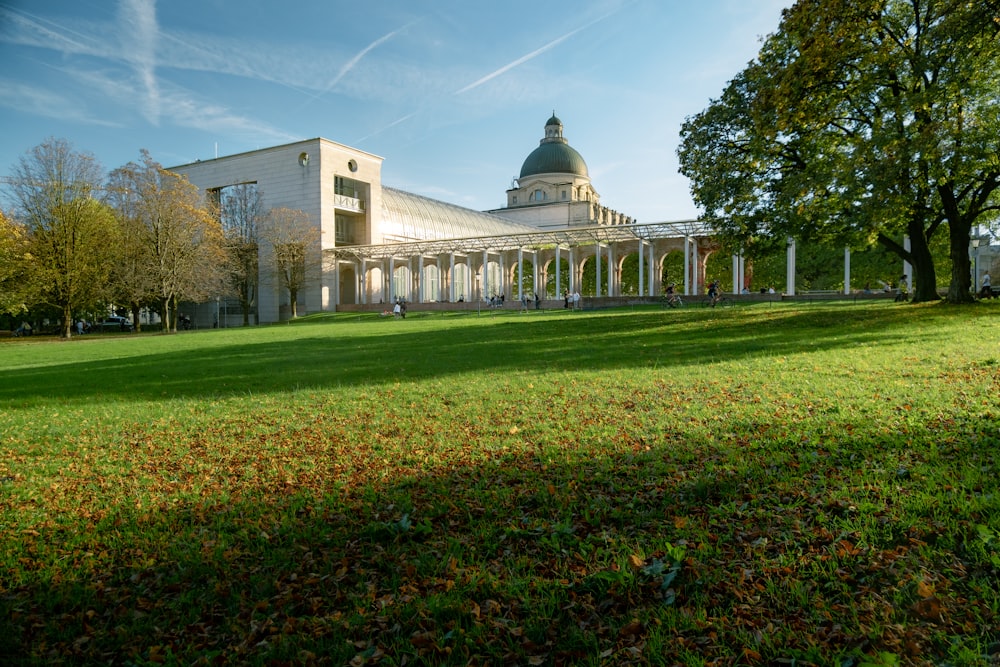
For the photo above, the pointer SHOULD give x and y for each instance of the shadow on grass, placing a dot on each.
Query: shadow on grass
(351, 351)
(515, 561)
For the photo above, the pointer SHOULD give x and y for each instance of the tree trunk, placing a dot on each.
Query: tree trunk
(924, 278)
(960, 287)
(165, 315)
(67, 323)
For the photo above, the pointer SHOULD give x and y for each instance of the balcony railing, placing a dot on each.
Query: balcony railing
(345, 203)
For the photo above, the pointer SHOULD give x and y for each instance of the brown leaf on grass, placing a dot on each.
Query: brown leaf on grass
(929, 608)
(632, 629)
(635, 562)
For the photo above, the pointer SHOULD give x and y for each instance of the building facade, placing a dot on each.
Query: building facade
(380, 244)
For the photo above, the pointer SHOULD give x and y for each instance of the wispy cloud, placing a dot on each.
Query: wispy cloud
(534, 54)
(26, 29)
(390, 125)
(45, 103)
(137, 19)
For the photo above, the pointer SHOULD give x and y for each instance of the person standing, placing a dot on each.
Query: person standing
(576, 300)
(986, 290)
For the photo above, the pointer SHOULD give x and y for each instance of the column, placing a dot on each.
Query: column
(653, 270)
(642, 246)
(790, 267)
(687, 265)
(451, 277)
(387, 280)
(469, 280)
(597, 270)
(612, 283)
(336, 283)
(847, 270)
(504, 283)
(558, 276)
(535, 274)
(520, 274)
(414, 264)
(572, 271)
(484, 287)
(363, 281)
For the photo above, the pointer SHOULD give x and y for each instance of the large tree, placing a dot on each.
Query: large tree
(70, 231)
(860, 121)
(180, 241)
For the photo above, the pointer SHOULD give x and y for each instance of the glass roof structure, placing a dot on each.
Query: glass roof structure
(534, 239)
(407, 217)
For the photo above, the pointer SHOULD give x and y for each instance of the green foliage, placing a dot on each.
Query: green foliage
(859, 122)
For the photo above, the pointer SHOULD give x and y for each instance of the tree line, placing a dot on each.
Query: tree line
(860, 122)
(79, 241)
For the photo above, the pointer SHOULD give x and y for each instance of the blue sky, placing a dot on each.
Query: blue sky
(454, 94)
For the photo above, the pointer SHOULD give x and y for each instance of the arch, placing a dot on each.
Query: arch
(401, 283)
(348, 283)
(431, 284)
(671, 269)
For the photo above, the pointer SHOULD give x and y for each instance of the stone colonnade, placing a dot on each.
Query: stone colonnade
(474, 269)
(478, 268)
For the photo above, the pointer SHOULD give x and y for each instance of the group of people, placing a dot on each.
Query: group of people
(571, 301)
(524, 302)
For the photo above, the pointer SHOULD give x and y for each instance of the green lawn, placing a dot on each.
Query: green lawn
(773, 484)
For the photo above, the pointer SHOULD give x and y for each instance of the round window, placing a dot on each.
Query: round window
(352, 165)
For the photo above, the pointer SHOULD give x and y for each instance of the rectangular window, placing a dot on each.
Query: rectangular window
(348, 230)
(347, 187)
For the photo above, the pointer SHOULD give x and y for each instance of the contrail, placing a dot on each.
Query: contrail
(533, 54)
(350, 64)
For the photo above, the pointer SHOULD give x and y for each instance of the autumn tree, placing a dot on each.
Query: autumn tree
(13, 266)
(69, 230)
(292, 251)
(860, 121)
(177, 238)
(240, 211)
(133, 282)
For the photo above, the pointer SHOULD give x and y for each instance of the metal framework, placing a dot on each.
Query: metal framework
(540, 240)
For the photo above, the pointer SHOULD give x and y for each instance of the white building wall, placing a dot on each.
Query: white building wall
(300, 176)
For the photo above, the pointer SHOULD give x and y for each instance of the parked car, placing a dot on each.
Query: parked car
(116, 323)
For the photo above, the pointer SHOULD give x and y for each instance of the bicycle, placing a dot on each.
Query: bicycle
(720, 300)
(671, 301)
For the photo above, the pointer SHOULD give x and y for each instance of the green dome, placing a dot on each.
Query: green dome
(557, 158)
(554, 155)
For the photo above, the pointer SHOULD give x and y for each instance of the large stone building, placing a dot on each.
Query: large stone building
(380, 244)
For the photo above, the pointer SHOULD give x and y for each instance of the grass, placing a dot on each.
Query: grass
(767, 484)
